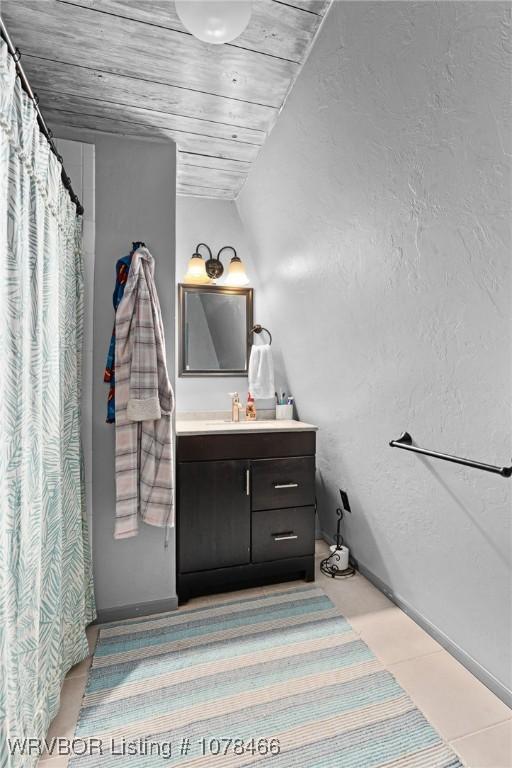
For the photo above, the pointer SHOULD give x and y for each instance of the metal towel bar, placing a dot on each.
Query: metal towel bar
(405, 442)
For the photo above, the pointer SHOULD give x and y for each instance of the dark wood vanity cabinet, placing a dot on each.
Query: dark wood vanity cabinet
(245, 510)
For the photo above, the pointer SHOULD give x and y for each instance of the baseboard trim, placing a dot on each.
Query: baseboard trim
(476, 669)
(118, 613)
(473, 666)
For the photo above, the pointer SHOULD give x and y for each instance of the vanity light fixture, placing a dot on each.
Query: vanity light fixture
(214, 267)
(236, 273)
(214, 21)
(196, 272)
(236, 270)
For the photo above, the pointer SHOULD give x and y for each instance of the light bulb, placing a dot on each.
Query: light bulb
(214, 21)
(196, 272)
(236, 273)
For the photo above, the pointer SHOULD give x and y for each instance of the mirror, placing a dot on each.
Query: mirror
(214, 330)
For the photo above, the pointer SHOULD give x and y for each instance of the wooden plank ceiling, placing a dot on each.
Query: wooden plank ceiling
(130, 67)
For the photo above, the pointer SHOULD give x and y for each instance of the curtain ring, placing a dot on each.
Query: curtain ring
(16, 55)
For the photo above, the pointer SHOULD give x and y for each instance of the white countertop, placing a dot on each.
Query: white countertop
(227, 427)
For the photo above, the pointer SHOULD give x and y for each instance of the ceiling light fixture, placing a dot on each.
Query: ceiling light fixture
(214, 21)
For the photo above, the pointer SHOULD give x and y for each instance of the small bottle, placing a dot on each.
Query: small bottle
(250, 409)
(236, 406)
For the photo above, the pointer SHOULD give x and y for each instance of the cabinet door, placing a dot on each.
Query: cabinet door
(214, 514)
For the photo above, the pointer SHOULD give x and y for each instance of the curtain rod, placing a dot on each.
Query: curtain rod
(15, 53)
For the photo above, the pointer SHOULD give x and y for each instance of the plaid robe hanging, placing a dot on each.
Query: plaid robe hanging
(144, 404)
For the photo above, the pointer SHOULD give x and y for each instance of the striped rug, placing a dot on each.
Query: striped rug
(235, 681)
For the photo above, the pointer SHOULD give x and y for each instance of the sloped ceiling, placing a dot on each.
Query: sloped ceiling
(130, 67)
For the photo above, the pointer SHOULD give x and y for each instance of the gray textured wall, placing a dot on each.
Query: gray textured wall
(379, 220)
(135, 200)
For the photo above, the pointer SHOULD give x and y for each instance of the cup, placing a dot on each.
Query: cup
(284, 412)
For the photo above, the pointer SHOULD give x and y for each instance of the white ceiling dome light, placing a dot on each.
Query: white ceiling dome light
(214, 21)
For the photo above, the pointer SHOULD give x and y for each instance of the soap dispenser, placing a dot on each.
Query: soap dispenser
(236, 406)
(250, 409)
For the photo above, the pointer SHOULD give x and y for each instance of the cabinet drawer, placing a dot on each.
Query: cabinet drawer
(278, 483)
(258, 445)
(280, 533)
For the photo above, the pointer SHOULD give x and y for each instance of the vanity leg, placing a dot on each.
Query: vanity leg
(309, 573)
(183, 597)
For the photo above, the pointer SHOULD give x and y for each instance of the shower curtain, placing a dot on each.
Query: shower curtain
(46, 595)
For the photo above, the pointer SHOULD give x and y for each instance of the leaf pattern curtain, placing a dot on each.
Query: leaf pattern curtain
(46, 595)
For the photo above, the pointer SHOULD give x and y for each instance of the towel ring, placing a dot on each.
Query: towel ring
(258, 329)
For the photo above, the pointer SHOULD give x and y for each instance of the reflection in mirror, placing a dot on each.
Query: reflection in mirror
(215, 323)
(215, 332)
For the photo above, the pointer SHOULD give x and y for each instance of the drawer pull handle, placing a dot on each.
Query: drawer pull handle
(247, 482)
(278, 486)
(284, 536)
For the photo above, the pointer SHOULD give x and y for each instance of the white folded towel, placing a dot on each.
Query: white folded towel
(261, 372)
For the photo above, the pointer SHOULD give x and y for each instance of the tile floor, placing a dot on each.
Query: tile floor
(474, 721)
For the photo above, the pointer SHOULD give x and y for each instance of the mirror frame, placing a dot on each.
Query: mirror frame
(184, 288)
